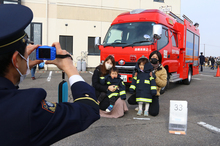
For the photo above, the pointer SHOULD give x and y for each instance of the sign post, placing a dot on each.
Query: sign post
(178, 117)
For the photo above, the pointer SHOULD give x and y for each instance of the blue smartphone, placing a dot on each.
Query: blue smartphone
(45, 53)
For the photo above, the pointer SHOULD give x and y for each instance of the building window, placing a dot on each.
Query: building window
(10, 2)
(66, 43)
(92, 50)
(34, 32)
(162, 1)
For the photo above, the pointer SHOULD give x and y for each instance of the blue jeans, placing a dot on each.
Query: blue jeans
(33, 71)
(212, 66)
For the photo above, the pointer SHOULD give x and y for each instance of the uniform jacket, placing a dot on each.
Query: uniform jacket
(201, 59)
(161, 78)
(212, 60)
(118, 82)
(27, 119)
(96, 82)
(144, 84)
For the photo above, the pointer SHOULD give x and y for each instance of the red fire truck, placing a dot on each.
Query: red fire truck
(139, 32)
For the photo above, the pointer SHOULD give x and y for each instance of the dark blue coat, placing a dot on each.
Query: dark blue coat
(28, 119)
(201, 59)
(118, 82)
(144, 84)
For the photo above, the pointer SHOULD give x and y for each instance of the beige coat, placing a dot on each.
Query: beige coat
(161, 79)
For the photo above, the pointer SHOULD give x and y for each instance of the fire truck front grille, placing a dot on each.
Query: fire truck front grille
(127, 68)
(126, 71)
(128, 63)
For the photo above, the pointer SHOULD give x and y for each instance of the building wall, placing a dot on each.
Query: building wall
(85, 18)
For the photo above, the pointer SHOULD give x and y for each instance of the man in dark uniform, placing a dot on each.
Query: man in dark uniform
(201, 61)
(212, 62)
(26, 117)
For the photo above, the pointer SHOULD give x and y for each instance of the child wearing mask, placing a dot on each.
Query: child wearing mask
(144, 85)
(113, 78)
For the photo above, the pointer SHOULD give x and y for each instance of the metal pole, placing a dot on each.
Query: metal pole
(204, 49)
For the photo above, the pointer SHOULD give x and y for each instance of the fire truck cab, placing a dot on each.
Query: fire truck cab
(139, 32)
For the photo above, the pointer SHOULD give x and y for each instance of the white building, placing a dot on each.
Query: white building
(75, 23)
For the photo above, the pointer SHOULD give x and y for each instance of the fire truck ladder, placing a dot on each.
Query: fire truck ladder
(178, 19)
(190, 21)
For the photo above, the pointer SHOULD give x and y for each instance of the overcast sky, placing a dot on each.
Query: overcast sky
(207, 14)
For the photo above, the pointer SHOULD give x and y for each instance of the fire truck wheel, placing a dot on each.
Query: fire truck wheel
(167, 85)
(188, 80)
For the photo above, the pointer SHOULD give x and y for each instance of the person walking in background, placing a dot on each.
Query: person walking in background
(217, 62)
(210, 58)
(216, 65)
(32, 56)
(201, 61)
(206, 61)
(212, 62)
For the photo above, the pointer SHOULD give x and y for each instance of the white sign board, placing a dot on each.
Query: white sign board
(178, 117)
(124, 78)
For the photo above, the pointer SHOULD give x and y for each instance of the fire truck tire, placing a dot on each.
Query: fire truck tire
(188, 80)
(167, 85)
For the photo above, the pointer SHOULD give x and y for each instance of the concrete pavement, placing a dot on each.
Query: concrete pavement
(203, 96)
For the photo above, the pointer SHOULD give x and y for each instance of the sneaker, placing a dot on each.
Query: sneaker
(139, 112)
(109, 109)
(145, 113)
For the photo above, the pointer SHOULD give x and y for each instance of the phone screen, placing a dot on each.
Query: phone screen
(44, 53)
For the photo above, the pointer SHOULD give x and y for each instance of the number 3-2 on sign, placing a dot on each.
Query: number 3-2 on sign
(178, 117)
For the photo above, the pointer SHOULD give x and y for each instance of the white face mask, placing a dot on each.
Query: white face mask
(22, 77)
(108, 66)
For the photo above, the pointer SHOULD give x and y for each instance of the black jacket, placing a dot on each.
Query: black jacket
(202, 59)
(212, 60)
(96, 82)
(144, 84)
(118, 82)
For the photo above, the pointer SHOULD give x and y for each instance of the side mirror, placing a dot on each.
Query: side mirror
(147, 37)
(157, 31)
(97, 41)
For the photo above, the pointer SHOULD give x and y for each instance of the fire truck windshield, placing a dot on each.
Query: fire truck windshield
(125, 34)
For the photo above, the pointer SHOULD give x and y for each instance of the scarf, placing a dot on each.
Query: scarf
(155, 66)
